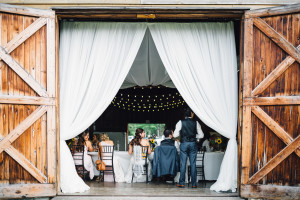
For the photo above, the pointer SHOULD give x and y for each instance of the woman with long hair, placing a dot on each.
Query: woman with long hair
(139, 140)
(137, 161)
(88, 163)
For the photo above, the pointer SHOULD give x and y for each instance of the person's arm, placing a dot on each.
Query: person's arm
(177, 129)
(200, 133)
(177, 146)
(149, 147)
(89, 145)
(130, 149)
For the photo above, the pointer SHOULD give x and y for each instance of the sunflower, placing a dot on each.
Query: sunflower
(219, 140)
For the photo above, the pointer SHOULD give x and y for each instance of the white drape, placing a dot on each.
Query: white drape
(147, 68)
(200, 58)
(94, 61)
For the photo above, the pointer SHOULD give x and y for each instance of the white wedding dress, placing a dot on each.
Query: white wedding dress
(88, 163)
(119, 174)
(136, 167)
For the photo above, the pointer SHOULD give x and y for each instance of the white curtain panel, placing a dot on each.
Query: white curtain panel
(200, 58)
(95, 58)
(147, 68)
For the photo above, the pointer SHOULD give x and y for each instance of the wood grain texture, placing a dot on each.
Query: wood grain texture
(27, 190)
(270, 192)
(25, 124)
(276, 160)
(277, 38)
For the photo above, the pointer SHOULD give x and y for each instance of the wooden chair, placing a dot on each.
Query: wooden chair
(108, 158)
(199, 165)
(145, 166)
(78, 157)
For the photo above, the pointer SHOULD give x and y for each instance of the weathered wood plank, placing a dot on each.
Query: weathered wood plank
(290, 148)
(284, 100)
(277, 38)
(281, 68)
(51, 57)
(275, 127)
(24, 35)
(270, 192)
(22, 73)
(14, 134)
(51, 144)
(27, 190)
(248, 58)
(51, 116)
(26, 11)
(31, 100)
(246, 145)
(295, 8)
(57, 106)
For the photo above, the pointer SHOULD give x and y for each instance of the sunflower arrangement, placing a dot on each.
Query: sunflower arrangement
(153, 144)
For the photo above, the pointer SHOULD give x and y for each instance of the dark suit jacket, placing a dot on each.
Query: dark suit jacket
(167, 142)
(166, 161)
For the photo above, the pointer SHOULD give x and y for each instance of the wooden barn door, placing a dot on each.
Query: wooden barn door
(271, 104)
(27, 102)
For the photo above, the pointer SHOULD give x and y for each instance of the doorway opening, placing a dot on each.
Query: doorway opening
(118, 115)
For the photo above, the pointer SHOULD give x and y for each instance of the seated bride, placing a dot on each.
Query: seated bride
(119, 174)
(137, 161)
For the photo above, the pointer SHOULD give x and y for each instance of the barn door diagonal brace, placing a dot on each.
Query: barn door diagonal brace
(273, 126)
(23, 126)
(281, 68)
(277, 38)
(22, 73)
(24, 35)
(274, 162)
(25, 163)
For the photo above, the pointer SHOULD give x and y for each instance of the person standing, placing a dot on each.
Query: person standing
(189, 131)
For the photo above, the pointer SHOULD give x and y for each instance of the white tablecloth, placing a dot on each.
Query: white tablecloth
(212, 162)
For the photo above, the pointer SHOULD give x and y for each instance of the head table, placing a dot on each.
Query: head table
(212, 162)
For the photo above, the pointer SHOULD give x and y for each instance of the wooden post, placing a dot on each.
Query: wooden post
(247, 88)
(51, 116)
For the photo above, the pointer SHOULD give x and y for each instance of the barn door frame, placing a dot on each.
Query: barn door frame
(46, 100)
(251, 104)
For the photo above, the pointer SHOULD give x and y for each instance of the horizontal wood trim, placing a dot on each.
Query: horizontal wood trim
(24, 35)
(277, 38)
(266, 12)
(26, 164)
(24, 125)
(28, 100)
(151, 16)
(282, 100)
(284, 65)
(20, 10)
(14, 65)
(270, 192)
(273, 126)
(27, 190)
(275, 161)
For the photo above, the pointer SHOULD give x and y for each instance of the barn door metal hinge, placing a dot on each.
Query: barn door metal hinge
(145, 16)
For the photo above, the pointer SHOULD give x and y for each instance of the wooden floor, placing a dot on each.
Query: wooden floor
(146, 191)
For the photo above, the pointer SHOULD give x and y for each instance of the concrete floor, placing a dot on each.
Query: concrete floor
(125, 191)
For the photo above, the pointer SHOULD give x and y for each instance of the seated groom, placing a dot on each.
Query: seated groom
(166, 159)
(168, 141)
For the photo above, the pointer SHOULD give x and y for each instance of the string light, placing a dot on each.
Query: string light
(151, 103)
